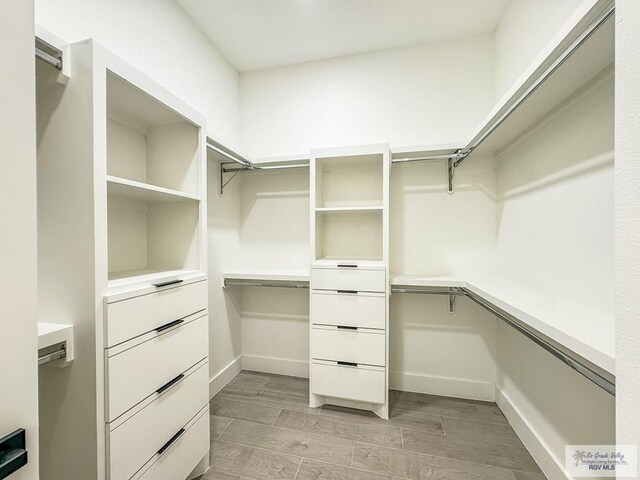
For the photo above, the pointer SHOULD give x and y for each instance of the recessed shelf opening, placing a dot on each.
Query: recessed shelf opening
(354, 181)
(349, 235)
(148, 142)
(147, 236)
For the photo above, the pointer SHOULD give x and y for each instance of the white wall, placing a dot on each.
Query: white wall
(18, 248)
(408, 96)
(555, 230)
(433, 93)
(627, 221)
(526, 27)
(158, 38)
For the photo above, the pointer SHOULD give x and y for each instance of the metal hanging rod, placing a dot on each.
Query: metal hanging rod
(48, 53)
(572, 360)
(562, 58)
(53, 356)
(242, 165)
(265, 283)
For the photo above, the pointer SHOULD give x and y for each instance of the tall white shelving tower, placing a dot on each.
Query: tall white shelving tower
(349, 329)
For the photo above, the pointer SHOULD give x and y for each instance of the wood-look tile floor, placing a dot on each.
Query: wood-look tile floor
(263, 428)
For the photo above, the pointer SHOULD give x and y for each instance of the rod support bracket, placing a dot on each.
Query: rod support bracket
(452, 304)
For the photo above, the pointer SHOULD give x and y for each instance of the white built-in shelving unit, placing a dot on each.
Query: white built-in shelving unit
(122, 225)
(349, 211)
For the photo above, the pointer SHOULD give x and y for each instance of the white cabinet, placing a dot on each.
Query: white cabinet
(122, 253)
(349, 277)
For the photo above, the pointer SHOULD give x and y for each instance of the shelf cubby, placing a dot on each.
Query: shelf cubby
(147, 235)
(349, 235)
(350, 181)
(147, 142)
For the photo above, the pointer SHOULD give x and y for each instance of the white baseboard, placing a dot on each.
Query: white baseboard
(552, 467)
(445, 386)
(224, 376)
(281, 366)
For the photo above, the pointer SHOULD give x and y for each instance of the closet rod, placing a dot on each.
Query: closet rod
(264, 283)
(53, 356)
(48, 53)
(562, 58)
(243, 162)
(445, 156)
(572, 361)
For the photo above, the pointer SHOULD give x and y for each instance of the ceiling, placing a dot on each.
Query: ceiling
(257, 34)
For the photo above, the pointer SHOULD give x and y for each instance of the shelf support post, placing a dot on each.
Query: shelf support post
(452, 304)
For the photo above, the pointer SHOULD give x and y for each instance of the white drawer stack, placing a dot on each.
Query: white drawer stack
(157, 382)
(348, 332)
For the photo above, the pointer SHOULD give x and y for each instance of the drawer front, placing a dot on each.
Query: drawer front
(361, 384)
(138, 372)
(137, 440)
(354, 346)
(355, 279)
(129, 318)
(367, 310)
(177, 461)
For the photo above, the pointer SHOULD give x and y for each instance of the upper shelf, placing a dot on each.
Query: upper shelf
(582, 49)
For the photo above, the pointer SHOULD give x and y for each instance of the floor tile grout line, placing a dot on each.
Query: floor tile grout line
(449, 458)
(402, 438)
(300, 465)
(353, 452)
(261, 449)
(273, 424)
(356, 468)
(289, 429)
(225, 428)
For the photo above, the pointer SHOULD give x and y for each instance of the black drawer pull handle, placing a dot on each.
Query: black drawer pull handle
(166, 284)
(345, 327)
(167, 326)
(348, 364)
(350, 292)
(170, 442)
(170, 384)
(347, 265)
(13, 453)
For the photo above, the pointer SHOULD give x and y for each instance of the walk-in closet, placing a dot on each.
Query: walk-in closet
(311, 240)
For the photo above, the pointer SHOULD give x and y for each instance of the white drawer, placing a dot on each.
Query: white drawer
(136, 371)
(366, 310)
(353, 346)
(138, 439)
(129, 318)
(363, 384)
(182, 456)
(358, 279)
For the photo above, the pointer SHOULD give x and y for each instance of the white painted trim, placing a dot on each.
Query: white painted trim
(445, 386)
(282, 366)
(224, 376)
(552, 467)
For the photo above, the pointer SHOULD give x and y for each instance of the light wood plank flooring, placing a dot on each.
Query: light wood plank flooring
(263, 428)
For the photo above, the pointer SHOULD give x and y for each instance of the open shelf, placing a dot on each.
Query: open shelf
(354, 208)
(122, 187)
(148, 142)
(148, 236)
(349, 181)
(550, 79)
(349, 235)
(575, 327)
